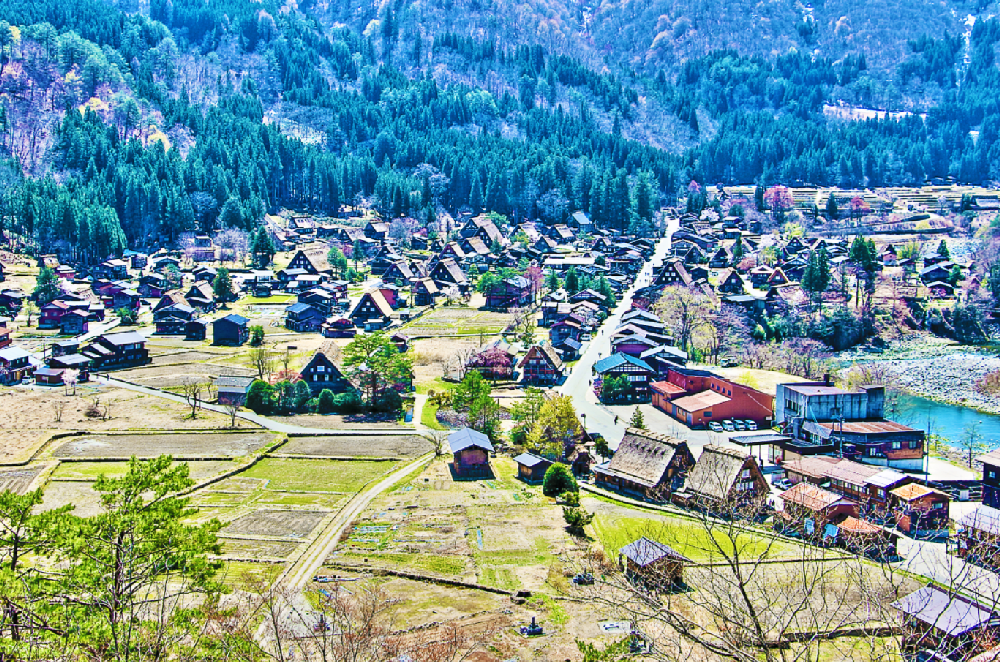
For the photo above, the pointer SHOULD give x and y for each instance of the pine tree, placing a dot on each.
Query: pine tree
(943, 250)
(572, 281)
(637, 420)
(832, 211)
(222, 286)
(46, 286)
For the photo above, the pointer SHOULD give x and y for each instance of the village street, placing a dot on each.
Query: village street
(596, 417)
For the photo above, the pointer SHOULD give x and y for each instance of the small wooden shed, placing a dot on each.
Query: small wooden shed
(653, 564)
(531, 468)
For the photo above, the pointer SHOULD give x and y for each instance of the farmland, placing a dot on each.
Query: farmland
(457, 321)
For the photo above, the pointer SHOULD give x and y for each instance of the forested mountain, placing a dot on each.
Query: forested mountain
(128, 124)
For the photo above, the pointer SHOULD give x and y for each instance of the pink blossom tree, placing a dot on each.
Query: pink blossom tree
(780, 200)
(535, 278)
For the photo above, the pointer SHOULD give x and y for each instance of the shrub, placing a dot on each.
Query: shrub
(558, 479)
(327, 402)
(260, 397)
(577, 519)
(347, 403)
(256, 335)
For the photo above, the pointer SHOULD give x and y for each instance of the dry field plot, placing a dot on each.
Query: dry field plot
(276, 523)
(346, 422)
(235, 444)
(91, 470)
(258, 550)
(403, 446)
(457, 321)
(32, 411)
(81, 495)
(18, 446)
(18, 480)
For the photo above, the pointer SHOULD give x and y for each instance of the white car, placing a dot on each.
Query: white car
(728, 426)
(714, 426)
(750, 425)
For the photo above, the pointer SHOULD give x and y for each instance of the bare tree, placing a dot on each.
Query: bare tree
(192, 390)
(57, 407)
(232, 408)
(262, 361)
(684, 311)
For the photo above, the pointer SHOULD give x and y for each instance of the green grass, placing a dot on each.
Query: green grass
(276, 300)
(500, 577)
(688, 537)
(557, 613)
(317, 475)
(428, 417)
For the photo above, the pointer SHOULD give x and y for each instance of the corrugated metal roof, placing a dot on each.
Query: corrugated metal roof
(951, 614)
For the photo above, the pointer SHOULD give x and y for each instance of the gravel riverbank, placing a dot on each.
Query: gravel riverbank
(938, 370)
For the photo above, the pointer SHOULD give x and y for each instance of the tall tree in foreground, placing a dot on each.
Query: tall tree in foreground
(131, 570)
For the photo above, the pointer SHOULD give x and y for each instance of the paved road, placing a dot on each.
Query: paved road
(577, 385)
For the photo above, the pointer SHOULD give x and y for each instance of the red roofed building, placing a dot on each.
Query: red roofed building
(698, 397)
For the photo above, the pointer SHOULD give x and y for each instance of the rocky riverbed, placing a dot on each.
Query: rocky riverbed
(935, 369)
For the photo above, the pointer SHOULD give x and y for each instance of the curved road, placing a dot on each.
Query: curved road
(577, 385)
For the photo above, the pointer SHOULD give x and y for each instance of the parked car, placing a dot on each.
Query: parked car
(728, 426)
(715, 426)
(750, 424)
(783, 484)
(739, 425)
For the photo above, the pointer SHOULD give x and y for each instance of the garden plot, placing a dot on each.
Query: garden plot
(18, 480)
(168, 376)
(500, 533)
(402, 446)
(180, 357)
(448, 321)
(20, 445)
(275, 523)
(237, 444)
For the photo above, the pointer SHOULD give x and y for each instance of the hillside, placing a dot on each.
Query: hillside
(130, 124)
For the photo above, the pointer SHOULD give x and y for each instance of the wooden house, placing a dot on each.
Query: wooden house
(470, 453)
(531, 468)
(4, 336)
(15, 364)
(49, 376)
(117, 350)
(920, 510)
(647, 464)
(725, 480)
(730, 282)
(303, 318)
(484, 228)
(811, 510)
(652, 564)
(509, 293)
(230, 330)
(372, 311)
(673, 272)
(637, 372)
(171, 320)
(541, 366)
(447, 272)
(978, 536)
(74, 323)
(991, 478)
(424, 290)
(320, 373)
(945, 623)
(339, 327)
(196, 330)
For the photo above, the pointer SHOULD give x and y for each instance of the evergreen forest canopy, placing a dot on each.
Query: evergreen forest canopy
(155, 130)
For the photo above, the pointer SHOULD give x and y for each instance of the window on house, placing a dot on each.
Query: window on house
(896, 445)
(938, 505)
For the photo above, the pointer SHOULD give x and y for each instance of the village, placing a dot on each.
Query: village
(544, 433)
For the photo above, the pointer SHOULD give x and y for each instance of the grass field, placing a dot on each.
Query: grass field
(317, 475)
(452, 321)
(688, 537)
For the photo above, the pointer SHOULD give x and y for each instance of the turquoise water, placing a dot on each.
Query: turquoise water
(948, 421)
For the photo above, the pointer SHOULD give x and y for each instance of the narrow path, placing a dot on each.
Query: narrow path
(303, 570)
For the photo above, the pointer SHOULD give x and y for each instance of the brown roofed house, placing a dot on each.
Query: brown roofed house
(647, 464)
(725, 480)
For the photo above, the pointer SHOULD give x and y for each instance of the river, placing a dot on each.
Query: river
(948, 421)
